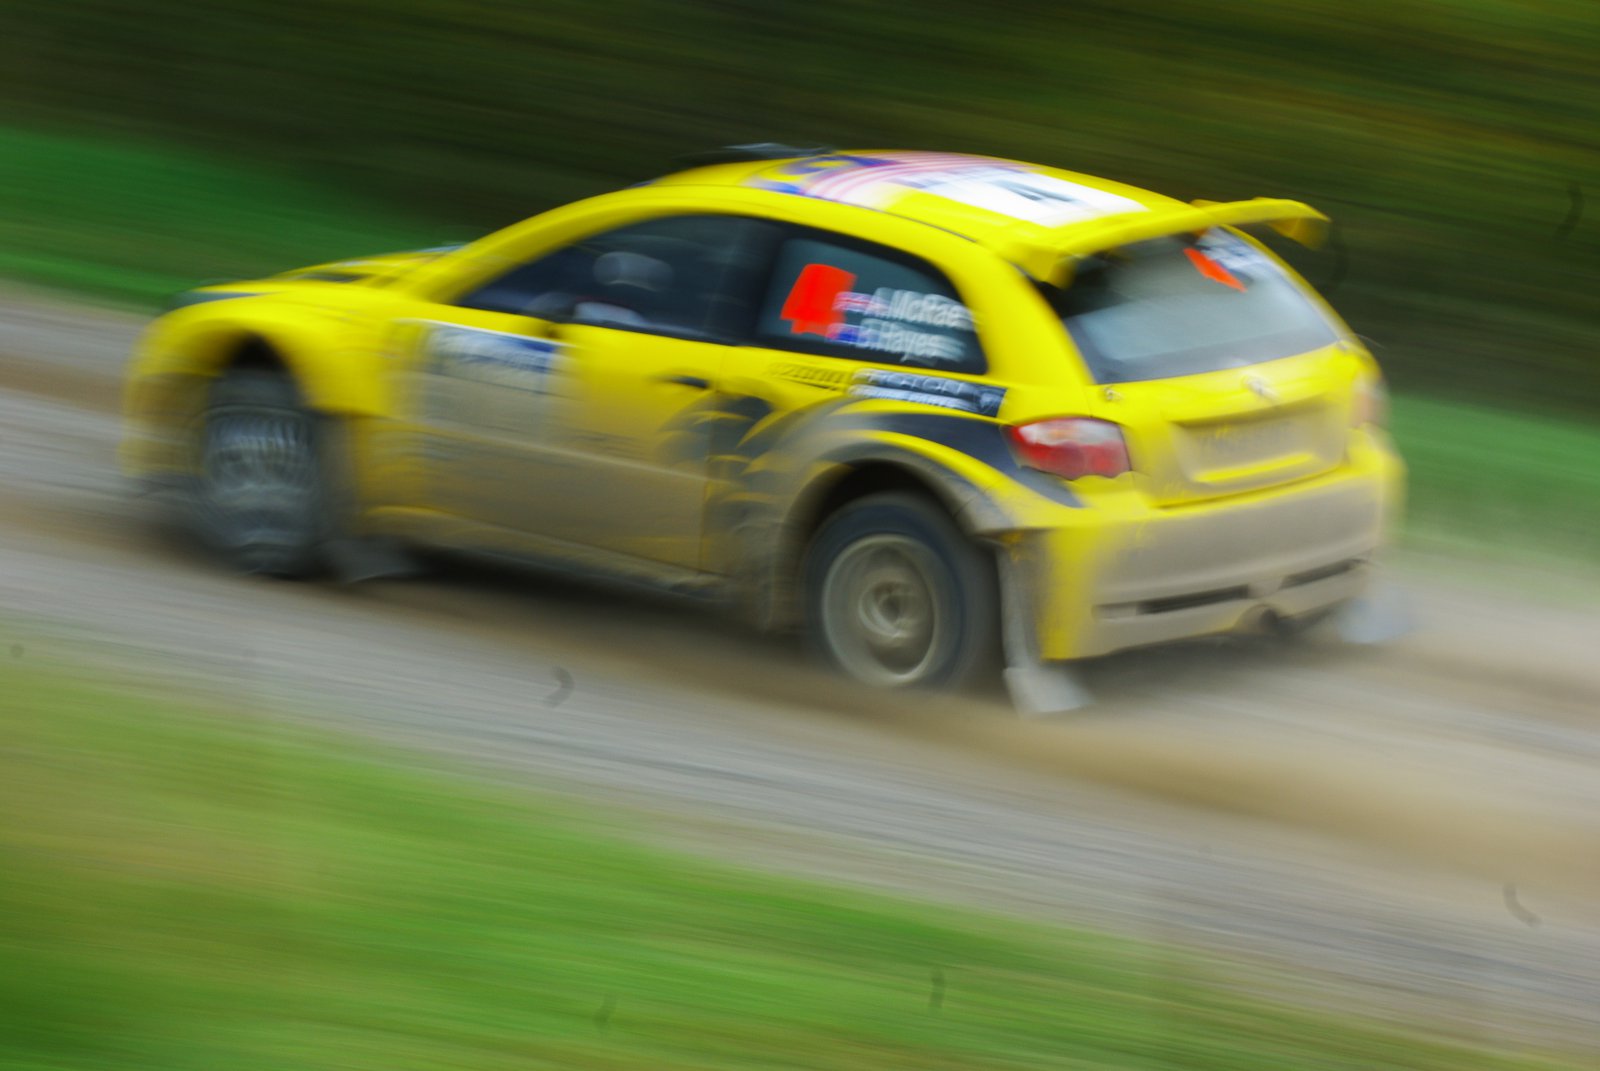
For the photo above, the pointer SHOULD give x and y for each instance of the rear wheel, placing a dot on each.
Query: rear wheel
(898, 597)
(261, 493)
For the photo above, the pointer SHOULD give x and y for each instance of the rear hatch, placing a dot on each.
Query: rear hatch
(1225, 373)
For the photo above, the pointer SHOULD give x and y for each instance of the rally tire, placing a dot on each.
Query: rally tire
(261, 494)
(897, 596)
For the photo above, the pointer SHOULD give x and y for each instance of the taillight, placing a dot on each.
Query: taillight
(1071, 447)
(1370, 405)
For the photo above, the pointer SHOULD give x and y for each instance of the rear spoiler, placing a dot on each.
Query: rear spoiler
(1054, 262)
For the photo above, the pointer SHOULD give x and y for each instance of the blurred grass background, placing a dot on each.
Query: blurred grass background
(135, 222)
(1453, 139)
(200, 890)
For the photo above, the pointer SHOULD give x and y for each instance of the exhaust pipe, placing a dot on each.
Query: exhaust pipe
(1264, 621)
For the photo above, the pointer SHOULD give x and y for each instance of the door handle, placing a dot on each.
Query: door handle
(697, 382)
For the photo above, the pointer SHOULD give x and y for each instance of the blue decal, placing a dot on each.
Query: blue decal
(461, 350)
(978, 398)
(492, 381)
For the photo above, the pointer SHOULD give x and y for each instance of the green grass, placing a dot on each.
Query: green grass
(208, 891)
(1500, 483)
(136, 221)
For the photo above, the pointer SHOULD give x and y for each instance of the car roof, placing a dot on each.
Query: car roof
(1005, 204)
(1039, 218)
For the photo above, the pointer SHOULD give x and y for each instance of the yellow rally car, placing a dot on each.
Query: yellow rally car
(927, 406)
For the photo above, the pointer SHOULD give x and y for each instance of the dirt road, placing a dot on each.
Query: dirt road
(1412, 832)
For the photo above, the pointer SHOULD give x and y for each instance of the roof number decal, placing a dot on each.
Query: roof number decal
(1000, 186)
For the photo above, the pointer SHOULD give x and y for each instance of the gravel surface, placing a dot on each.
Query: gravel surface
(1410, 832)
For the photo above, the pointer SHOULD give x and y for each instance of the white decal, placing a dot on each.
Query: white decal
(929, 390)
(491, 380)
(1233, 253)
(1000, 186)
(908, 306)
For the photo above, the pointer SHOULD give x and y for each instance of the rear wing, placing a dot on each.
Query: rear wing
(1053, 262)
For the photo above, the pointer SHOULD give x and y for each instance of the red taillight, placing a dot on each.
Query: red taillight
(1071, 447)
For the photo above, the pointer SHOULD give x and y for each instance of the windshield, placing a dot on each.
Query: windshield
(1181, 306)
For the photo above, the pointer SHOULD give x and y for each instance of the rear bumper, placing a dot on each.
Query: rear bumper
(1125, 574)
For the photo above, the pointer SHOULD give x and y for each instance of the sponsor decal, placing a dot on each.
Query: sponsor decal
(821, 300)
(908, 306)
(811, 375)
(474, 353)
(888, 337)
(978, 398)
(1235, 255)
(490, 381)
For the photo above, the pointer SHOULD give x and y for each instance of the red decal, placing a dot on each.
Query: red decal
(1212, 270)
(810, 305)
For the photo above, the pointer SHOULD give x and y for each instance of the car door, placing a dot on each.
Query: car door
(575, 385)
(478, 387)
(839, 319)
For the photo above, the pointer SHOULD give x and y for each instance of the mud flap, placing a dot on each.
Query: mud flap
(1038, 689)
(354, 561)
(347, 553)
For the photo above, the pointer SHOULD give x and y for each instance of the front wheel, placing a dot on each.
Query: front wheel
(260, 497)
(898, 597)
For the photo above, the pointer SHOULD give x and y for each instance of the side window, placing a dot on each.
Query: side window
(680, 275)
(840, 298)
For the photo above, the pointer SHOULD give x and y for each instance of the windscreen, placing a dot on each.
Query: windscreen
(1181, 306)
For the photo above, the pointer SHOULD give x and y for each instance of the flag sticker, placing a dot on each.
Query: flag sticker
(1005, 187)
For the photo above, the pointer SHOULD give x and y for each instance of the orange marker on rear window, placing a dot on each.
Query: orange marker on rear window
(1212, 270)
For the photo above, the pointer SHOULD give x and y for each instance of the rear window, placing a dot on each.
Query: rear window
(1181, 306)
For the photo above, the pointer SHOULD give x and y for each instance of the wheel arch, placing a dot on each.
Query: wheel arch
(183, 355)
(972, 643)
(326, 385)
(850, 479)
(191, 347)
(253, 351)
(838, 487)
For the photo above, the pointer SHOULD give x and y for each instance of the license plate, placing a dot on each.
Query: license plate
(1230, 445)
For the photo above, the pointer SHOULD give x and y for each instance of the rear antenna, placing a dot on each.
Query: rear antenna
(760, 150)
